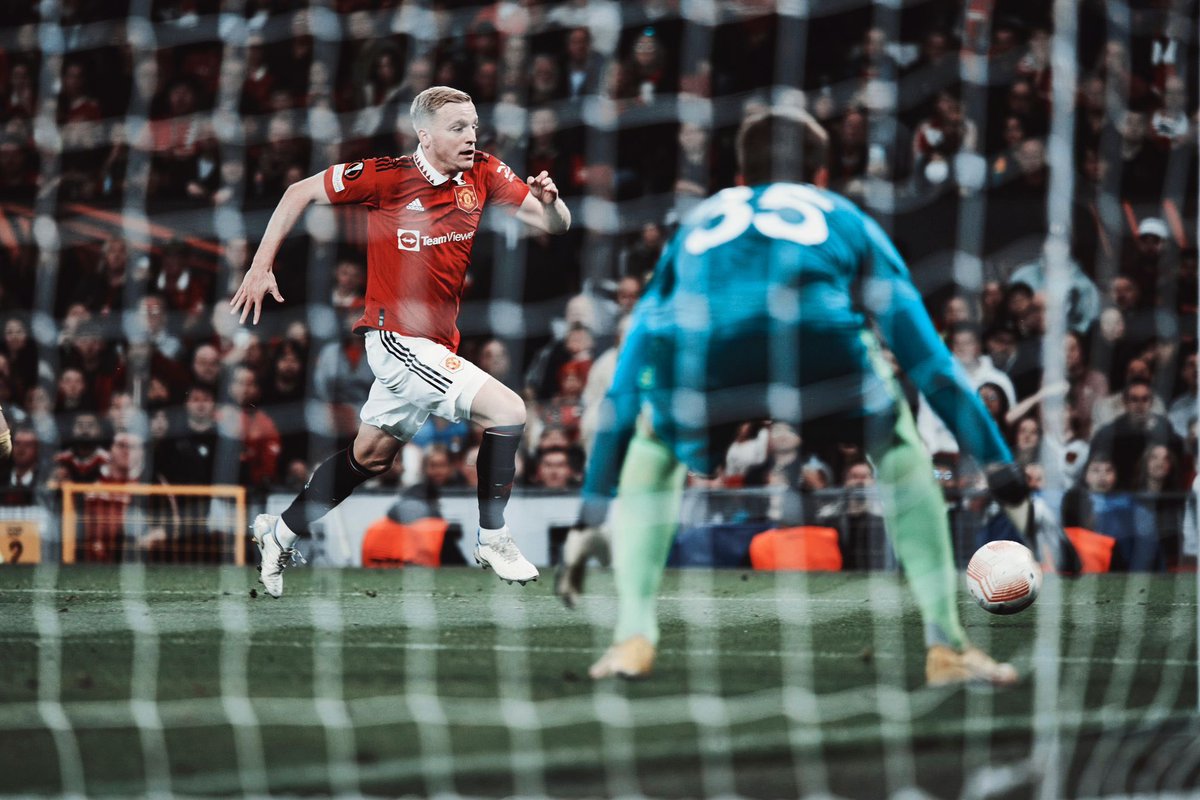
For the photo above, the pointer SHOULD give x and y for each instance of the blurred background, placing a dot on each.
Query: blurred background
(144, 143)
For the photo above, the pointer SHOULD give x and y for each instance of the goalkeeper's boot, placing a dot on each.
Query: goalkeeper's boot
(631, 659)
(275, 557)
(501, 554)
(581, 544)
(945, 666)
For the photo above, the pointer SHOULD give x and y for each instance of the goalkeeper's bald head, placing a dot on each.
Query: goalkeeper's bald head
(781, 144)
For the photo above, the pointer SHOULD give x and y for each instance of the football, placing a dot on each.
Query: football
(1004, 577)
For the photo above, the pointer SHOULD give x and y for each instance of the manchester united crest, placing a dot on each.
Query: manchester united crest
(452, 363)
(466, 198)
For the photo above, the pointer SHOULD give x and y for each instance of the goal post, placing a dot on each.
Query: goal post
(112, 522)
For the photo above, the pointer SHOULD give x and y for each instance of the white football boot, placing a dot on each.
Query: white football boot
(501, 555)
(275, 557)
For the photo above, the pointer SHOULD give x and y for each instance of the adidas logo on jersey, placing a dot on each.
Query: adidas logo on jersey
(415, 205)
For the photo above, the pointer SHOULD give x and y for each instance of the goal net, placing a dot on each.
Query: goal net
(1036, 166)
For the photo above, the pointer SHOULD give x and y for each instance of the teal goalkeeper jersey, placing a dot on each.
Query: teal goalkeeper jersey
(766, 304)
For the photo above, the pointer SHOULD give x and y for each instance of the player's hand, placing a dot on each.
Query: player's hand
(542, 187)
(255, 286)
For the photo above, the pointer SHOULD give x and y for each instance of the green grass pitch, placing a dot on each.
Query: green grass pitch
(176, 680)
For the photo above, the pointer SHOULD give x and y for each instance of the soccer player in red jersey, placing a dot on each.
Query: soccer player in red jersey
(424, 210)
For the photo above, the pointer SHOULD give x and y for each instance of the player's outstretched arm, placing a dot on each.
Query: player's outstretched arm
(543, 208)
(259, 280)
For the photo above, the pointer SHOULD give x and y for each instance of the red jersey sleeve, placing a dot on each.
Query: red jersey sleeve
(503, 186)
(355, 182)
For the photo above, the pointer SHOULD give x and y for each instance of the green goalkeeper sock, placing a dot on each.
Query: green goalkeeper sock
(644, 524)
(915, 513)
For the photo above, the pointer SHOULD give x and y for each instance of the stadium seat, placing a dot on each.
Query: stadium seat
(390, 544)
(808, 548)
(1095, 549)
(724, 544)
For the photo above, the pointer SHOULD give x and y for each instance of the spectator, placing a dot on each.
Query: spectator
(548, 151)
(149, 377)
(349, 286)
(965, 347)
(545, 81)
(206, 367)
(1083, 296)
(437, 473)
(126, 415)
(1000, 341)
(577, 344)
(342, 378)
(25, 370)
(283, 398)
(257, 438)
(495, 361)
(582, 66)
(187, 454)
(1160, 485)
(1124, 440)
(554, 470)
(1087, 385)
(154, 321)
(696, 169)
(1144, 263)
(940, 136)
(996, 402)
(1027, 440)
(650, 67)
(1098, 505)
(21, 474)
(1169, 124)
(103, 291)
(564, 409)
(85, 454)
(185, 290)
(73, 395)
(1140, 165)
(747, 451)
(857, 518)
(107, 523)
(1107, 408)
(1016, 215)
(1182, 411)
(97, 361)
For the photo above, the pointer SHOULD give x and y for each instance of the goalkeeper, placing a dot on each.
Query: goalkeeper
(762, 306)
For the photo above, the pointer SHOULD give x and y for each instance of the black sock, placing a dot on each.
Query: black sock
(331, 483)
(497, 466)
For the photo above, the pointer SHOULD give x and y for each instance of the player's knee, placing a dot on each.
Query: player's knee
(511, 412)
(376, 455)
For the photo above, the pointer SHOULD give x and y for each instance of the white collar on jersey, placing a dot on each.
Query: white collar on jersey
(431, 174)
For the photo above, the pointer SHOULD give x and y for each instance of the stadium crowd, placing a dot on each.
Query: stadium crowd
(139, 159)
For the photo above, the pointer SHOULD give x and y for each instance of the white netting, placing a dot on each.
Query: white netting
(1002, 145)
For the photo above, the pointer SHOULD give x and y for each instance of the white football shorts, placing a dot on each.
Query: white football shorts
(414, 378)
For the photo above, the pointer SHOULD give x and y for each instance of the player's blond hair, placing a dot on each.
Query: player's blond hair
(426, 104)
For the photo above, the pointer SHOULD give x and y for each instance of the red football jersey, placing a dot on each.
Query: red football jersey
(420, 228)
